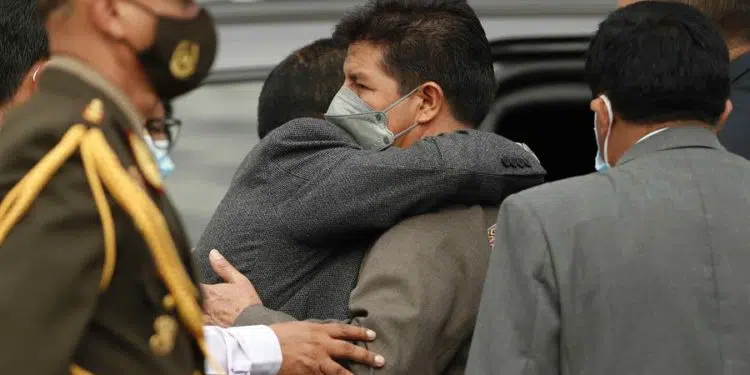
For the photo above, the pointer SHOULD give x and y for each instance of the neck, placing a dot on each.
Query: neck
(626, 135)
(117, 68)
(443, 126)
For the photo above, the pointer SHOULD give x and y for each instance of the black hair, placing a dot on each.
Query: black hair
(660, 61)
(23, 42)
(302, 85)
(430, 40)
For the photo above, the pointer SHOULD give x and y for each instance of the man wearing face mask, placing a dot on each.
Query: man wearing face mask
(305, 215)
(93, 248)
(639, 268)
(311, 190)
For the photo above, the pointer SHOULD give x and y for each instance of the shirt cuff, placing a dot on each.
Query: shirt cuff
(262, 345)
(247, 350)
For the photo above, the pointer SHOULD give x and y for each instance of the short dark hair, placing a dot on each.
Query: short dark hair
(658, 62)
(23, 42)
(732, 16)
(430, 40)
(302, 85)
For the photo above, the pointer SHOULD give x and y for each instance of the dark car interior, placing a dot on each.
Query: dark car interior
(543, 101)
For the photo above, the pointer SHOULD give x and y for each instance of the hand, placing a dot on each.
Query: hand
(223, 303)
(310, 349)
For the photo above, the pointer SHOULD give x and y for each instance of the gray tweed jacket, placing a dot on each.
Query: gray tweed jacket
(308, 201)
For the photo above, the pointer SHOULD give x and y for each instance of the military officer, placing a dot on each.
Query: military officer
(96, 276)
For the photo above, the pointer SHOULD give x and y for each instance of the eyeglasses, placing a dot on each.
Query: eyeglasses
(168, 127)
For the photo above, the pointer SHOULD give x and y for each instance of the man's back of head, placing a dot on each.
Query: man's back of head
(23, 47)
(652, 65)
(302, 85)
(432, 54)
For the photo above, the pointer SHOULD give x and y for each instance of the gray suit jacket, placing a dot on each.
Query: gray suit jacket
(419, 289)
(308, 201)
(639, 270)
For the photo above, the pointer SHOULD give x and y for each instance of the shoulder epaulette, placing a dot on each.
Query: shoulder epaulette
(104, 170)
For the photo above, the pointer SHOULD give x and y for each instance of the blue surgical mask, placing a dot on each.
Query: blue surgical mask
(600, 161)
(160, 150)
(368, 126)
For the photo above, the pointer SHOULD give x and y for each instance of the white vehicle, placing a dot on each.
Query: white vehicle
(542, 99)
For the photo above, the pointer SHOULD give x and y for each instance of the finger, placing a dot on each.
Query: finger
(330, 367)
(222, 268)
(346, 350)
(349, 332)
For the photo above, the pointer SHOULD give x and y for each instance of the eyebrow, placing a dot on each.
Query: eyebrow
(357, 76)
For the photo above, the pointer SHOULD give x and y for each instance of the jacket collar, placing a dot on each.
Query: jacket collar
(689, 136)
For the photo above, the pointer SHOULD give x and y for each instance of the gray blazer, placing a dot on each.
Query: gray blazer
(308, 201)
(639, 270)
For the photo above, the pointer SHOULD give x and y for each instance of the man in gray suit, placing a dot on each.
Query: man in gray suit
(642, 267)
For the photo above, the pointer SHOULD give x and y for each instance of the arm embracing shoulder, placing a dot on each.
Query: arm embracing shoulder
(350, 192)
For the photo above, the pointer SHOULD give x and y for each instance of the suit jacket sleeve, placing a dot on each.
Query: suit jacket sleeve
(259, 314)
(518, 325)
(419, 288)
(365, 192)
(51, 267)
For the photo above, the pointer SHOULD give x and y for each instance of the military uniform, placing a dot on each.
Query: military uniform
(95, 276)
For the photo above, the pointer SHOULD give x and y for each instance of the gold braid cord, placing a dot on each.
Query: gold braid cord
(104, 170)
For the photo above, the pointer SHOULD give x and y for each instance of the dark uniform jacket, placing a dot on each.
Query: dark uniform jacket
(308, 201)
(735, 135)
(95, 271)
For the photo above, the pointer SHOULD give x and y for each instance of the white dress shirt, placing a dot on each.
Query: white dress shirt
(250, 350)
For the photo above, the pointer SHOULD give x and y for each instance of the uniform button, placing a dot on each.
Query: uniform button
(165, 333)
(159, 345)
(169, 302)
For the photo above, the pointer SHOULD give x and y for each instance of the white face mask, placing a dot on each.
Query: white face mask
(601, 162)
(368, 126)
